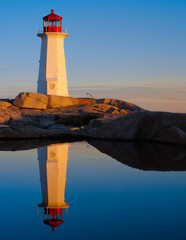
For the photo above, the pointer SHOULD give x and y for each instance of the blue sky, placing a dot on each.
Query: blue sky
(133, 50)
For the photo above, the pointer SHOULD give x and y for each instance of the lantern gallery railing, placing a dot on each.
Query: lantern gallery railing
(51, 29)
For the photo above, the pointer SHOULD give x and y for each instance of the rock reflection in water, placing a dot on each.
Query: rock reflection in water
(53, 167)
(27, 144)
(144, 156)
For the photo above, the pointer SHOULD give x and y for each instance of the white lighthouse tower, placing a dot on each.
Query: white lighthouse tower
(52, 78)
(53, 167)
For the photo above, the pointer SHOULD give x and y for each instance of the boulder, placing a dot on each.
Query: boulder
(153, 126)
(60, 101)
(120, 104)
(171, 134)
(31, 100)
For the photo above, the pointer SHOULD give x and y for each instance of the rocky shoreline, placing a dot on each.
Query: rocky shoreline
(32, 115)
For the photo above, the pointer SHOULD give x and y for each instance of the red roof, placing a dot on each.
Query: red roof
(53, 223)
(52, 16)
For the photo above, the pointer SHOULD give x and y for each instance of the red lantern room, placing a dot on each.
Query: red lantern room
(53, 217)
(52, 22)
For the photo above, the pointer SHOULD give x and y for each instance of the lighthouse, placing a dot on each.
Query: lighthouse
(53, 167)
(52, 77)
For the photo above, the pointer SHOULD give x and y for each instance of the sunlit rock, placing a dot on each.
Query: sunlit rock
(4, 119)
(86, 101)
(5, 104)
(31, 100)
(120, 104)
(122, 111)
(59, 101)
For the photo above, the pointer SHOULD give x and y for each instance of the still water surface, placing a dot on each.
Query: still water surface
(83, 193)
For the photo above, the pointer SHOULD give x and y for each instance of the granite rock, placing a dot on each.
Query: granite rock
(108, 119)
(31, 100)
(59, 101)
(86, 101)
(153, 126)
(171, 134)
(5, 104)
(120, 104)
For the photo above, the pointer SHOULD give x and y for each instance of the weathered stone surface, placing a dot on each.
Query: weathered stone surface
(35, 113)
(5, 104)
(116, 112)
(41, 101)
(171, 134)
(24, 121)
(153, 126)
(94, 123)
(110, 116)
(8, 113)
(6, 132)
(59, 101)
(116, 120)
(86, 101)
(31, 100)
(112, 110)
(142, 126)
(14, 114)
(120, 104)
(105, 108)
(4, 119)
(46, 123)
(122, 111)
(20, 131)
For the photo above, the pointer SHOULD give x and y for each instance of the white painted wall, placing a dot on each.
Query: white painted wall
(53, 167)
(42, 84)
(52, 77)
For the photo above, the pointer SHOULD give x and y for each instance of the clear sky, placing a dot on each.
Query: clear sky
(134, 50)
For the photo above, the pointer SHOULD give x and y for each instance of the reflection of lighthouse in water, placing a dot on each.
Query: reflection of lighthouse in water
(53, 167)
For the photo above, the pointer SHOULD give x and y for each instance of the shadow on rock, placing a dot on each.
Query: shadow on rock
(144, 156)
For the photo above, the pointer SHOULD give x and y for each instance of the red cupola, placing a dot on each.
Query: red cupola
(52, 22)
(53, 217)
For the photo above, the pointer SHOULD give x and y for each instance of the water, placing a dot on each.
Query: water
(105, 197)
